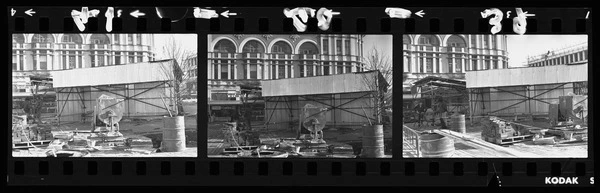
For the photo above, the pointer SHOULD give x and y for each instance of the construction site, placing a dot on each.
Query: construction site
(334, 116)
(129, 110)
(538, 111)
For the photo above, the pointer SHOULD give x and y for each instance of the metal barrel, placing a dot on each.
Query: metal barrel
(458, 124)
(173, 139)
(372, 141)
(435, 145)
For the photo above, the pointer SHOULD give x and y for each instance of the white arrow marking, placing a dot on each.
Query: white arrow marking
(13, 11)
(420, 13)
(224, 14)
(30, 12)
(227, 14)
(137, 13)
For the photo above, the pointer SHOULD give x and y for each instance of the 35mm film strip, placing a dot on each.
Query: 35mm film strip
(302, 95)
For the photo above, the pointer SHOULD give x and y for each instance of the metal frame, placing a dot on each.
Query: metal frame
(474, 93)
(80, 92)
(313, 98)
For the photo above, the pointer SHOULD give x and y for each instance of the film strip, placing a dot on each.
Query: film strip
(268, 45)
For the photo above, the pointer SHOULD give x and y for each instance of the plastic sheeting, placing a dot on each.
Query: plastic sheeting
(109, 107)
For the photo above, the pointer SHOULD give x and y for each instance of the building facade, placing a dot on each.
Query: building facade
(41, 53)
(235, 59)
(574, 54)
(449, 56)
(191, 74)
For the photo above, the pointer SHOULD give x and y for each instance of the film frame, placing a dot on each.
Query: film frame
(380, 172)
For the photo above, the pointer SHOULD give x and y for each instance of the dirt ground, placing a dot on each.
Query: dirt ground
(579, 150)
(351, 137)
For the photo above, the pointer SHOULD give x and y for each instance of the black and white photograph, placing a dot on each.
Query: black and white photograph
(299, 96)
(104, 95)
(495, 96)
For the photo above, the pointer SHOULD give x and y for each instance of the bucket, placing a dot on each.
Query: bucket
(435, 145)
(372, 141)
(458, 124)
(173, 139)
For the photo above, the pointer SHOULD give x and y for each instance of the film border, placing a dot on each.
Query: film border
(411, 171)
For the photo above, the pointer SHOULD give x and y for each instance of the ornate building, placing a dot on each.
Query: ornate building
(43, 52)
(38, 54)
(450, 56)
(244, 58)
(574, 54)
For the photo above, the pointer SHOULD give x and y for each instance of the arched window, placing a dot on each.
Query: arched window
(225, 46)
(429, 40)
(406, 39)
(456, 41)
(42, 38)
(18, 38)
(99, 39)
(253, 46)
(251, 65)
(281, 48)
(455, 59)
(223, 66)
(71, 38)
(308, 48)
(280, 67)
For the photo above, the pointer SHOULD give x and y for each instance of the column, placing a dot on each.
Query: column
(314, 67)
(37, 60)
(424, 64)
(266, 73)
(276, 71)
(19, 61)
(413, 62)
(235, 71)
(105, 60)
(454, 65)
(219, 71)
(464, 63)
(435, 62)
(229, 71)
(96, 59)
(305, 67)
(322, 69)
(247, 71)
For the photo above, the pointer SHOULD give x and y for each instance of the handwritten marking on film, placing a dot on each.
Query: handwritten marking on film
(12, 12)
(395, 12)
(209, 13)
(81, 17)
(587, 15)
(300, 17)
(519, 21)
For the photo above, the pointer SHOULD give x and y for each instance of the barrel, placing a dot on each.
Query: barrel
(458, 124)
(435, 145)
(372, 141)
(173, 139)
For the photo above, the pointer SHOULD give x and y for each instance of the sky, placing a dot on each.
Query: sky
(187, 41)
(521, 46)
(382, 42)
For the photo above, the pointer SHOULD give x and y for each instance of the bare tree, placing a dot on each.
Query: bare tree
(379, 82)
(177, 71)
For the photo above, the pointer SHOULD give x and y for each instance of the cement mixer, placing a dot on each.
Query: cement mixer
(107, 114)
(313, 119)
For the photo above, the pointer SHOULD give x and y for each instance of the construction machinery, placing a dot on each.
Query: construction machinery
(568, 117)
(108, 111)
(313, 119)
(502, 132)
